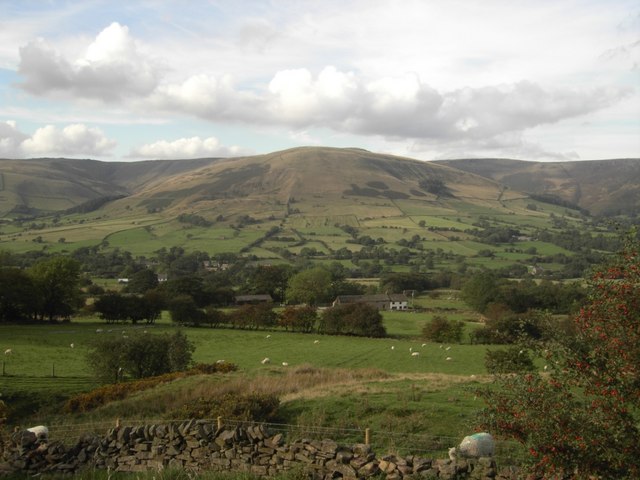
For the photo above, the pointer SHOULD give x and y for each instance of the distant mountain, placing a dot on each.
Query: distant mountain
(44, 185)
(324, 180)
(600, 186)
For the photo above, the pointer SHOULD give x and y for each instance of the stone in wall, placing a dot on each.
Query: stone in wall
(200, 446)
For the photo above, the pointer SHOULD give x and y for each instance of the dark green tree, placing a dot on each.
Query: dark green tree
(16, 295)
(311, 287)
(142, 281)
(352, 319)
(56, 283)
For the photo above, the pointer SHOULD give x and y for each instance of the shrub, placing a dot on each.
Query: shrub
(253, 407)
(511, 360)
(440, 329)
(85, 402)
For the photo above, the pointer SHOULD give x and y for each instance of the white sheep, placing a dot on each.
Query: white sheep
(474, 446)
(424, 345)
(72, 345)
(8, 351)
(415, 354)
(285, 364)
(265, 360)
(392, 347)
(448, 359)
(316, 341)
(42, 433)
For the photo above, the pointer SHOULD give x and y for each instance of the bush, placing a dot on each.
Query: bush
(253, 407)
(440, 329)
(582, 419)
(511, 360)
(85, 402)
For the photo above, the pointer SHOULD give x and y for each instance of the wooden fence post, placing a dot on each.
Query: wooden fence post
(219, 423)
(367, 436)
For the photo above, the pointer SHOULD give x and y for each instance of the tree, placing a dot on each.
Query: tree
(440, 329)
(310, 286)
(352, 319)
(142, 281)
(184, 310)
(582, 420)
(56, 283)
(139, 356)
(299, 319)
(16, 295)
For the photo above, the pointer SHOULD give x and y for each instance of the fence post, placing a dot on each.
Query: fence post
(219, 423)
(367, 436)
(118, 422)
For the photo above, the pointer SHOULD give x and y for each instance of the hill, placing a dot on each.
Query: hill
(603, 187)
(46, 185)
(317, 203)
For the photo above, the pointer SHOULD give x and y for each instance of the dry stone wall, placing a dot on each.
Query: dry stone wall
(202, 446)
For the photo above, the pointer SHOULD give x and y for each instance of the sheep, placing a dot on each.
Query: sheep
(268, 336)
(392, 347)
(316, 341)
(265, 360)
(415, 354)
(72, 345)
(474, 446)
(285, 364)
(424, 345)
(448, 359)
(41, 432)
(8, 351)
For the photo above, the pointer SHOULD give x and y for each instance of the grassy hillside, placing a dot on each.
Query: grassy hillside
(600, 186)
(272, 206)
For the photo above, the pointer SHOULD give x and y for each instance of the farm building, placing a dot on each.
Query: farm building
(382, 301)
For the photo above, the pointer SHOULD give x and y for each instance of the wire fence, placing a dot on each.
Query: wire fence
(382, 442)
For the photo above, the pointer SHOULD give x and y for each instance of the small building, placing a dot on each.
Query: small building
(253, 299)
(382, 301)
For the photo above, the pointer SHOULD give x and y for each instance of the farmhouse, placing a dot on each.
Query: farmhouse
(382, 301)
(253, 299)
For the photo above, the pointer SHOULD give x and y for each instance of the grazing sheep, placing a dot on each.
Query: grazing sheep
(448, 348)
(42, 432)
(316, 341)
(8, 351)
(268, 336)
(448, 359)
(424, 345)
(72, 345)
(265, 360)
(474, 446)
(285, 364)
(415, 354)
(393, 347)
(99, 330)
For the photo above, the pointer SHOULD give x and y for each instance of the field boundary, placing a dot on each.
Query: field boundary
(422, 444)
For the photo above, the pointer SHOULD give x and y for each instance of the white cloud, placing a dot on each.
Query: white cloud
(76, 139)
(112, 68)
(194, 147)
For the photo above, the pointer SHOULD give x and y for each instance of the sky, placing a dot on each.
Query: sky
(542, 80)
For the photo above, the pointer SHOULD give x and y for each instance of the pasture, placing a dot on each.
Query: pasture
(323, 382)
